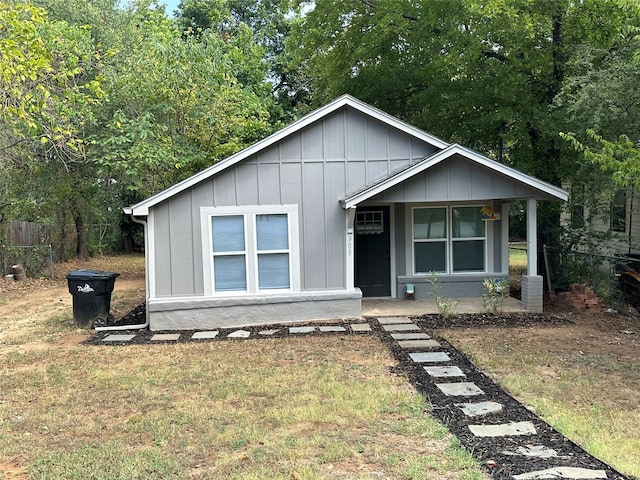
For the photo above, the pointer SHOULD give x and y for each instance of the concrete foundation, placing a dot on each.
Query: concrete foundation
(190, 313)
(532, 293)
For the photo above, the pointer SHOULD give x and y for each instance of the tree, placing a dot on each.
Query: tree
(483, 73)
(251, 27)
(49, 89)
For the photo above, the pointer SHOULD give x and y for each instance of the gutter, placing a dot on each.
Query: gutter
(140, 326)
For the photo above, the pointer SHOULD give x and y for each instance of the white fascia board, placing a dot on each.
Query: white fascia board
(544, 187)
(142, 208)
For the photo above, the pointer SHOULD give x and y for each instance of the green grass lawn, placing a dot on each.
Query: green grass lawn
(305, 408)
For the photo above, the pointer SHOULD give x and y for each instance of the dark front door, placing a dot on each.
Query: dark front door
(373, 251)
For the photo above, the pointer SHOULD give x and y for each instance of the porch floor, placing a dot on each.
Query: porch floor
(383, 307)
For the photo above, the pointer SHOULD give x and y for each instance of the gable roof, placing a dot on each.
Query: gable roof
(547, 191)
(142, 208)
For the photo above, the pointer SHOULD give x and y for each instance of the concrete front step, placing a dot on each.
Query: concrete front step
(459, 389)
(393, 320)
(503, 429)
(538, 451)
(165, 337)
(118, 338)
(418, 344)
(448, 371)
(574, 473)
(430, 357)
(479, 409)
(400, 327)
(410, 336)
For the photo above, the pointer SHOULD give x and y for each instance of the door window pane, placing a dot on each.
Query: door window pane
(272, 232)
(229, 272)
(430, 257)
(273, 270)
(467, 222)
(468, 256)
(429, 223)
(228, 233)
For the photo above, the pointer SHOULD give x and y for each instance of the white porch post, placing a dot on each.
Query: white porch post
(532, 282)
(350, 262)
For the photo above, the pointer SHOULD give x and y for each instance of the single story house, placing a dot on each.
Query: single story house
(346, 202)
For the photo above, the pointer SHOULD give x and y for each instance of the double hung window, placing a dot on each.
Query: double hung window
(448, 239)
(250, 250)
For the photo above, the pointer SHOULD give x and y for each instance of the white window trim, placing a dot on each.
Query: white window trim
(449, 239)
(251, 252)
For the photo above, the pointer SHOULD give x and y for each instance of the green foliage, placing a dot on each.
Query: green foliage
(495, 293)
(446, 306)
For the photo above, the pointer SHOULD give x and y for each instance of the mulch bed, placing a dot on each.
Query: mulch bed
(488, 450)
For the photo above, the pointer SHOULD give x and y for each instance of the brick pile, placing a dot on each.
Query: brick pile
(579, 297)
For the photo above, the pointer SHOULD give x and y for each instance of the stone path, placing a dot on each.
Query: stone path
(499, 431)
(437, 369)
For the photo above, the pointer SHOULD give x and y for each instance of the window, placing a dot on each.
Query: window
(619, 212)
(250, 251)
(467, 239)
(369, 222)
(448, 239)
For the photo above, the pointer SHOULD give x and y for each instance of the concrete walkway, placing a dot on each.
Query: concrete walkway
(385, 307)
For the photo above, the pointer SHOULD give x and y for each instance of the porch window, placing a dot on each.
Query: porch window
(467, 239)
(448, 239)
(250, 251)
(430, 239)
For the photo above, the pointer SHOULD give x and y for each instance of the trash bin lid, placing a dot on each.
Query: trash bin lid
(82, 274)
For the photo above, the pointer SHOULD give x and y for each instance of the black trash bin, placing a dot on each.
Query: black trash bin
(91, 290)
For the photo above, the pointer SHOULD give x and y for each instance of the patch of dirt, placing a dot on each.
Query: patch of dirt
(31, 309)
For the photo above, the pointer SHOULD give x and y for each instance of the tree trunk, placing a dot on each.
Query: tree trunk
(18, 272)
(82, 251)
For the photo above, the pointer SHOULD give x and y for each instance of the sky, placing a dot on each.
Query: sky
(171, 5)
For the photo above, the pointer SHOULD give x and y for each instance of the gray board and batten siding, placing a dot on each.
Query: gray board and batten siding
(313, 168)
(340, 157)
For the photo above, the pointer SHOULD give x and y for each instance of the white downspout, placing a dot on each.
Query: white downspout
(146, 323)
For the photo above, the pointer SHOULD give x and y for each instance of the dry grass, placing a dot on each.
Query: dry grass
(580, 382)
(306, 408)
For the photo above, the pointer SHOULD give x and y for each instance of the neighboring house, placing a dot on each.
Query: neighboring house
(617, 216)
(344, 203)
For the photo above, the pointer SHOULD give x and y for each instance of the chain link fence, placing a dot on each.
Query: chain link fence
(36, 260)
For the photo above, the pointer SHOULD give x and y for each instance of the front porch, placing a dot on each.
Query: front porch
(386, 307)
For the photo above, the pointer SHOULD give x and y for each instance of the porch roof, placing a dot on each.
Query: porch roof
(542, 189)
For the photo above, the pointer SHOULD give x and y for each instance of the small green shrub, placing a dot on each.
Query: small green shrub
(495, 293)
(446, 306)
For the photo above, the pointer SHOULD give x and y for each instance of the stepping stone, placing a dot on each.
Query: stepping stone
(562, 472)
(418, 344)
(239, 334)
(165, 337)
(118, 338)
(480, 408)
(332, 328)
(539, 451)
(360, 327)
(296, 330)
(400, 327)
(459, 389)
(503, 429)
(451, 371)
(393, 320)
(267, 333)
(204, 335)
(429, 357)
(410, 336)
